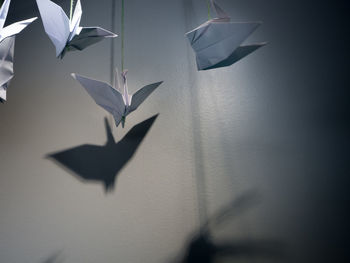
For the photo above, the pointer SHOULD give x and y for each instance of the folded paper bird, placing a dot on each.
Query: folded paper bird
(116, 101)
(7, 43)
(217, 42)
(66, 34)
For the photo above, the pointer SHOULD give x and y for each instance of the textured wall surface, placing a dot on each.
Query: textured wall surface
(271, 124)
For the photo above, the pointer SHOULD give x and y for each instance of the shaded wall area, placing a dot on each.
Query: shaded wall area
(274, 125)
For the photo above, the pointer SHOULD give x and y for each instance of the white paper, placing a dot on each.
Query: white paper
(67, 35)
(7, 44)
(116, 100)
(7, 47)
(217, 42)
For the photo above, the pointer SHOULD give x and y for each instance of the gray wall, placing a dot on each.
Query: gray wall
(272, 124)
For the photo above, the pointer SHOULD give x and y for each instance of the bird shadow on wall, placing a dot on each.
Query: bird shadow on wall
(103, 163)
(204, 249)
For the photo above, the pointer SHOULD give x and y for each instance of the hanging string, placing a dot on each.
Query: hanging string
(208, 4)
(71, 10)
(112, 42)
(112, 65)
(122, 22)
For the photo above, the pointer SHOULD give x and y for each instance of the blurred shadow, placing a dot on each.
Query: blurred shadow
(103, 163)
(54, 258)
(202, 247)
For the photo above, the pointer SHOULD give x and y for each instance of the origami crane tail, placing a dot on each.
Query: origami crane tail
(123, 121)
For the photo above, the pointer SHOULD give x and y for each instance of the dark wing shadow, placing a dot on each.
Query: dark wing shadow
(229, 212)
(202, 248)
(103, 163)
(54, 258)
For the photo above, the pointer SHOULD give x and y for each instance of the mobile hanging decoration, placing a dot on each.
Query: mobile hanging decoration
(7, 46)
(65, 33)
(217, 42)
(119, 104)
(114, 98)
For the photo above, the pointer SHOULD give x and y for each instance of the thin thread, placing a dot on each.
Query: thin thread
(122, 22)
(111, 119)
(199, 172)
(112, 41)
(71, 9)
(208, 4)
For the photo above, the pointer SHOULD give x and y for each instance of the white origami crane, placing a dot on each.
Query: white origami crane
(217, 42)
(66, 34)
(7, 44)
(114, 100)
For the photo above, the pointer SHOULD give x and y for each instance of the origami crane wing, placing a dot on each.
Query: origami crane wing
(104, 95)
(6, 65)
(89, 36)
(3, 12)
(56, 23)
(238, 54)
(142, 94)
(219, 41)
(195, 34)
(16, 28)
(74, 24)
